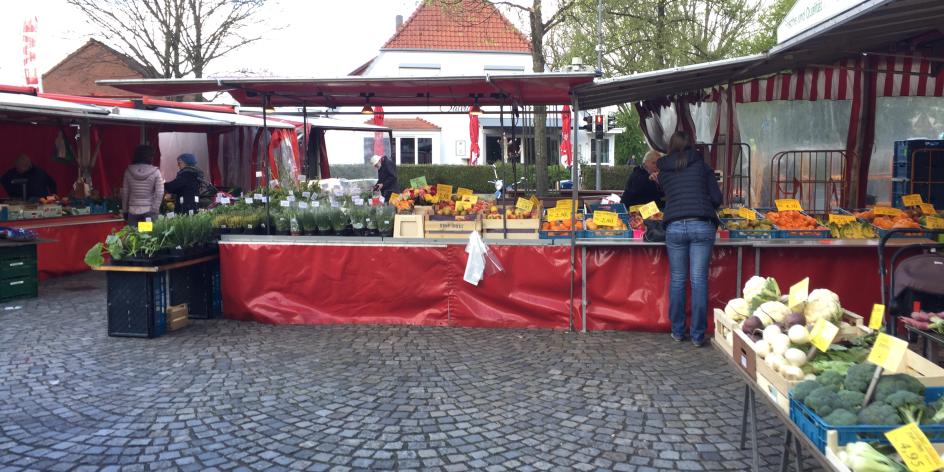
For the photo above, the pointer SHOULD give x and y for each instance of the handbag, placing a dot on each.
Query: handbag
(655, 231)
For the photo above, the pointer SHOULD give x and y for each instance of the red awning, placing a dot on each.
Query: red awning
(523, 89)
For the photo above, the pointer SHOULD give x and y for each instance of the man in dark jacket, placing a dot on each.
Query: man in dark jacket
(24, 175)
(186, 186)
(641, 186)
(386, 175)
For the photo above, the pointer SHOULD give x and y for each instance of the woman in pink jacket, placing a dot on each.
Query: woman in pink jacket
(143, 187)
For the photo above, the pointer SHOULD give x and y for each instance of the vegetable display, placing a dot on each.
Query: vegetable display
(792, 220)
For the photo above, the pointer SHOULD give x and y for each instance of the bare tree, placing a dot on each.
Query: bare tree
(173, 38)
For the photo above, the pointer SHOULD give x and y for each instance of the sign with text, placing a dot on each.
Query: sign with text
(473, 199)
(606, 218)
(524, 204)
(927, 209)
(443, 190)
(558, 214)
(911, 200)
(418, 182)
(463, 191)
(145, 226)
(788, 204)
(887, 211)
(798, 293)
(841, 219)
(823, 334)
(934, 222)
(649, 210)
(877, 316)
(888, 352)
(747, 213)
(914, 448)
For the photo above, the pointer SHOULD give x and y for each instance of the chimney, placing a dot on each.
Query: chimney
(399, 22)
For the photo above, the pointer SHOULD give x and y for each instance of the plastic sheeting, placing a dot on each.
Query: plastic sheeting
(72, 237)
(898, 119)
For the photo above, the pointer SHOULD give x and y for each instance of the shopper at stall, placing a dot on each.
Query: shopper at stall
(189, 184)
(386, 176)
(27, 181)
(641, 186)
(692, 197)
(142, 188)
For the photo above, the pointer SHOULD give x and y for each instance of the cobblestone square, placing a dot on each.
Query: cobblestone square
(227, 395)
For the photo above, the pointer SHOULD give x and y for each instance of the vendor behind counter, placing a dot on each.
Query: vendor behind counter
(27, 181)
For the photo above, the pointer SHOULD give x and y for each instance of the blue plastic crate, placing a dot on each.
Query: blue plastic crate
(614, 207)
(545, 234)
(815, 428)
(747, 233)
(609, 233)
(917, 233)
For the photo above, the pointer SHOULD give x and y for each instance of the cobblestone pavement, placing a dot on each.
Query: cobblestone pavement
(236, 395)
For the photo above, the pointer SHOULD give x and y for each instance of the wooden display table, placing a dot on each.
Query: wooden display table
(138, 296)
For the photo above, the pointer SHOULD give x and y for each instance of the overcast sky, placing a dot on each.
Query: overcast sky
(313, 37)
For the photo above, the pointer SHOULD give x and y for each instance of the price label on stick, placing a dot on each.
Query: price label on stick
(747, 213)
(605, 218)
(934, 222)
(558, 214)
(443, 190)
(257, 196)
(788, 204)
(911, 200)
(927, 209)
(914, 448)
(418, 182)
(463, 191)
(798, 293)
(463, 206)
(302, 205)
(888, 352)
(470, 198)
(565, 204)
(145, 226)
(524, 204)
(823, 334)
(306, 194)
(648, 210)
(887, 211)
(248, 201)
(534, 201)
(841, 219)
(285, 203)
(877, 317)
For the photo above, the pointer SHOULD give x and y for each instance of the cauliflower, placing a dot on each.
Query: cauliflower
(775, 310)
(737, 310)
(823, 304)
(758, 290)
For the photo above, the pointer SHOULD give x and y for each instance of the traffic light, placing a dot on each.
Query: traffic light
(599, 126)
(587, 123)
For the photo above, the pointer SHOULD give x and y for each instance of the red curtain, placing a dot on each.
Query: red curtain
(38, 142)
(379, 148)
(474, 139)
(213, 151)
(72, 238)
(566, 147)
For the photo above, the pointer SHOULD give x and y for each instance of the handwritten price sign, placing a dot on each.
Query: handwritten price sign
(911, 200)
(463, 191)
(934, 222)
(888, 352)
(914, 448)
(887, 211)
(524, 204)
(877, 316)
(788, 204)
(648, 210)
(605, 218)
(823, 334)
(747, 213)
(558, 214)
(443, 190)
(841, 219)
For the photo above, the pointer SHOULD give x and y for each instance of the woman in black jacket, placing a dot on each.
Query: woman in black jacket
(692, 197)
(186, 186)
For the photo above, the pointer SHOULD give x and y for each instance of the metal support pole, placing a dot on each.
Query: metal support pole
(265, 159)
(740, 267)
(757, 261)
(797, 454)
(583, 285)
(744, 413)
(574, 179)
(599, 150)
(305, 166)
(785, 453)
(755, 454)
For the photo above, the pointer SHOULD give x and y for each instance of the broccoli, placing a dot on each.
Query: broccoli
(841, 417)
(859, 376)
(909, 404)
(851, 400)
(823, 401)
(831, 379)
(879, 413)
(802, 389)
(890, 384)
(935, 412)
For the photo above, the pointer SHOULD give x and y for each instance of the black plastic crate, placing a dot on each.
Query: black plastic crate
(918, 167)
(136, 304)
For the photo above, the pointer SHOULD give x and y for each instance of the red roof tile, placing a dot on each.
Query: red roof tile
(468, 25)
(407, 124)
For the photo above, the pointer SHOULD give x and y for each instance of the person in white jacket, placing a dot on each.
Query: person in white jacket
(143, 187)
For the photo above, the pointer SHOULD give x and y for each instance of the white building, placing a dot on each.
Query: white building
(470, 38)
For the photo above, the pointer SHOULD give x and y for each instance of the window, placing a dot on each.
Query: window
(419, 70)
(369, 149)
(424, 149)
(407, 150)
(605, 144)
(492, 69)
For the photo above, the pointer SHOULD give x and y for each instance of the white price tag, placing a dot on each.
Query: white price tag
(258, 174)
(291, 198)
(306, 194)
(316, 204)
(302, 178)
(264, 199)
(334, 204)
(224, 200)
(359, 201)
(257, 196)
(170, 214)
(196, 199)
(284, 203)
(302, 205)
(248, 201)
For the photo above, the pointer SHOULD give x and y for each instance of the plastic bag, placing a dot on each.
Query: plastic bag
(481, 260)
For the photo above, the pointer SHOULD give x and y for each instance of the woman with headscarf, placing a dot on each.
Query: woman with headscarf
(188, 184)
(692, 197)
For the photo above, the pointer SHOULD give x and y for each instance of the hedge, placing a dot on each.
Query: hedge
(477, 177)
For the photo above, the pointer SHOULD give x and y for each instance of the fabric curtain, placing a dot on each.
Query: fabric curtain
(474, 140)
(566, 148)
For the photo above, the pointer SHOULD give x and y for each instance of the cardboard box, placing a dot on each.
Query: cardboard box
(177, 317)
(724, 335)
(744, 355)
(408, 226)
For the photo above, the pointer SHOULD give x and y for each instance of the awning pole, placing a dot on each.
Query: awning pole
(265, 158)
(305, 166)
(574, 178)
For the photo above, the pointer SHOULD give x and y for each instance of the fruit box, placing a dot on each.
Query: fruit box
(724, 334)
(438, 229)
(408, 226)
(177, 317)
(516, 229)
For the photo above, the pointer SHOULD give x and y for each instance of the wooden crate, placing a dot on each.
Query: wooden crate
(408, 226)
(778, 396)
(177, 317)
(517, 229)
(724, 333)
(422, 210)
(451, 229)
(833, 448)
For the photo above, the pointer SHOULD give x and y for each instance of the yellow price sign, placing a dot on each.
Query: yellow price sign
(914, 448)
(606, 218)
(534, 201)
(470, 198)
(558, 214)
(524, 204)
(145, 226)
(823, 334)
(888, 352)
(635, 208)
(934, 222)
(730, 211)
(463, 206)
(912, 200)
(877, 317)
(887, 211)
(927, 209)
(788, 204)
(747, 213)
(649, 210)
(798, 293)
(463, 191)
(394, 198)
(841, 219)
(443, 189)
(564, 204)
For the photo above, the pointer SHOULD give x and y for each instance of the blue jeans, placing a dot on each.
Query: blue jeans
(689, 244)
